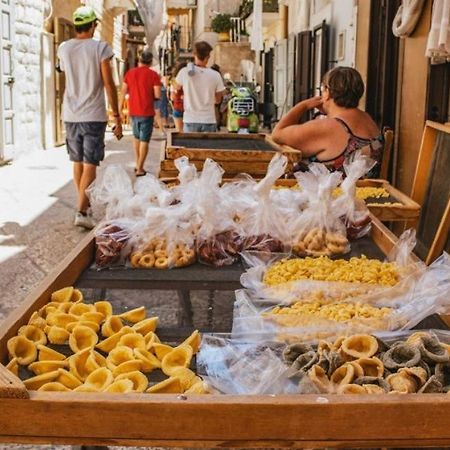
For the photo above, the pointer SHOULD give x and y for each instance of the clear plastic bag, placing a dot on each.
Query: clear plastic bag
(112, 242)
(325, 308)
(242, 367)
(379, 363)
(109, 194)
(264, 225)
(218, 239)
(164, 239)
(399, 264)
(318, 230)
(354, 212)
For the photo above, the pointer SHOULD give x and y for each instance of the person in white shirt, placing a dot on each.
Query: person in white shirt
(203, 89)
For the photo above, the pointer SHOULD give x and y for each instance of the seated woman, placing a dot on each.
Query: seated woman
(343, 129)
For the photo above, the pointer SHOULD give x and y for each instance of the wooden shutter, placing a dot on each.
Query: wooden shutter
(280, 76)
(291, 70)
(302, 85)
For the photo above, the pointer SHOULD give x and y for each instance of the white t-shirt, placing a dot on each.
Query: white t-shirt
(199, 94)
(84, 95)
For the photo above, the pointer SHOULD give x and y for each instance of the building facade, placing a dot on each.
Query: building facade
(30, 89)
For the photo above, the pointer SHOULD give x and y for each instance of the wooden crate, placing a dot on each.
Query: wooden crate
(236, 153)
(398, 207)
(211, 420)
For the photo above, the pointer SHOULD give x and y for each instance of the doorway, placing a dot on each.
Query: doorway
(7, 128)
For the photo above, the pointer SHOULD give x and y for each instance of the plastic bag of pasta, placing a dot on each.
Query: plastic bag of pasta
(264, 225)
(318, 308)
(280, 274)
(218, 238)
(164, 239)
(354, 212)
(318, 230)
(112, 242)
(245, 366)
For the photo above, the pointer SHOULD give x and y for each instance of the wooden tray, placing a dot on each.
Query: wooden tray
(397, 207)
(211, 420)
(236, 153)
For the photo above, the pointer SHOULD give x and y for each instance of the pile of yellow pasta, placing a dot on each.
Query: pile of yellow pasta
(362, 193)
(110, 353)
(339, 312)
(365, 192)
(355, 270)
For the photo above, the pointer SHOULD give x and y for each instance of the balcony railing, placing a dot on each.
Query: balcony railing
(238, 30)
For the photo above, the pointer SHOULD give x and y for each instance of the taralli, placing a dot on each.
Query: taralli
(134, 258)
(318, 242)
(147, 261)
(157, 254)
(162, 263)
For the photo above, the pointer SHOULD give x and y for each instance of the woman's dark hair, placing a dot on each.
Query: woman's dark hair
(345, 85)
(178, 66)
(84, 28)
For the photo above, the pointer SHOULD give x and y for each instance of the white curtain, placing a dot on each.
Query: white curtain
(152, 14)
(438, 44)
(256, 36)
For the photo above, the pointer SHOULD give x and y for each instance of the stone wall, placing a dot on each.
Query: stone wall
(27, 72)
(228, 55)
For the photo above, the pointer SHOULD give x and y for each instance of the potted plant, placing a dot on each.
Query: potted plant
(222, 24)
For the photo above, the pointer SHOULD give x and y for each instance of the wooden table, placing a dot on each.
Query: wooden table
(207, 421)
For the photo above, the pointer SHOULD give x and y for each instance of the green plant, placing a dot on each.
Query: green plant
(246, 7)
(221, 23)
(244, 33)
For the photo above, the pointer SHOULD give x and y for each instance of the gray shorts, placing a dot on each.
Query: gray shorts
(85, 141)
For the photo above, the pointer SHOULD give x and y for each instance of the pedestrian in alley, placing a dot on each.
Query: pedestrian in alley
(143, 86)
(177, 97)
(86, 64)
(203, 89)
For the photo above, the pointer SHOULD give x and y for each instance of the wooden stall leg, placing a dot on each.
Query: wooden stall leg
(185, 302)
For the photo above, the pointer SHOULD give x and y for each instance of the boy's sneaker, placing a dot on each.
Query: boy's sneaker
(84, 220)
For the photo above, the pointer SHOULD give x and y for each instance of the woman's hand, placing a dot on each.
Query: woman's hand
(314, 102)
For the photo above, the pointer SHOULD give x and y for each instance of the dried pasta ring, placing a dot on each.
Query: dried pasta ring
(147, 261)
(160, 253)
(134, 259)
(162, 263)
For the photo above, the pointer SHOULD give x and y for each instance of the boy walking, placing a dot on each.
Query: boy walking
(144, 87)
(86, 63)
(203, 89)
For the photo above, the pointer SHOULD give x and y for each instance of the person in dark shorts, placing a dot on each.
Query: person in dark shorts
(86, 64)
(143, 86)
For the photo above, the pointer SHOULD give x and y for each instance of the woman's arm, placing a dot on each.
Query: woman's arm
(308, 137)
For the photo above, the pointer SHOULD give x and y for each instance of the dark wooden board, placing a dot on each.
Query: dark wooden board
(231, 143)
(195, 277)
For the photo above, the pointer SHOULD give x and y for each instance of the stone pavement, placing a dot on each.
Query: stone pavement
(37, 199)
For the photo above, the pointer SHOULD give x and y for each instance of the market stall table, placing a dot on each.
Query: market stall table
(37, 417)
